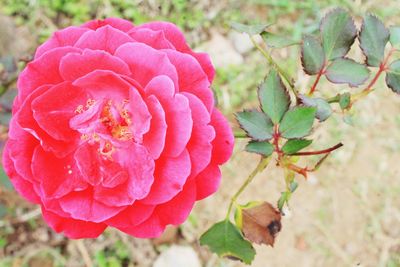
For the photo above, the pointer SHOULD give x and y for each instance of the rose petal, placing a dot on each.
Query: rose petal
(178, 114)
(75, 65)
(208, 181)
(154, 139)
(140, 115)
(104, 84)
(192, 78)
(140, 168)
(55, 107)
(104, 38)
(95, 169)
(146, 62)
(57, 176)
(199, 146)
(64, 37)
(173, 212)
(175, 36)
(120, 24)
(73, 228)
(21, 153)
(41, 71)
(155, 39)
(24, 120)
(22, 186)
(131, 216)
(82, 206)
(224, 140)
(169, 178)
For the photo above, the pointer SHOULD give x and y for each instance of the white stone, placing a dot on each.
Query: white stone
(178, 256)
(241, 42)
(221, 51)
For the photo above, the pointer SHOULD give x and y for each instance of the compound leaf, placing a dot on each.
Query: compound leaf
(393, 76)
(395, 36)
(294, 145)
(262, 148)
(225, 239)
(297, 122)
(312, 55)
(345, 70)
(338, 33)
(277, 41)
(256, 124)
(324, 110)
(274, 97)
(373, 38)
(249, 29)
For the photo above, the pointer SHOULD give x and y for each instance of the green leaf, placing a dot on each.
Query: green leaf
(393, 76)
(285, 196)
(395, 36)
(249, 29)
(297, 122)
(294, 145)
(256, 124)
(277, 41)
(344, 101)
(345, 70)
(312, 55)
(324, 110)
(225, 239)
(338, 33)
(4, 180)
(293, 186)
(274, 97)
(373, 38)
(262, 148)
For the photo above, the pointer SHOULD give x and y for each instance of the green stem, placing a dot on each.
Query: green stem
(334, 99)
(240, 134)
(260, 167)
(271, 61)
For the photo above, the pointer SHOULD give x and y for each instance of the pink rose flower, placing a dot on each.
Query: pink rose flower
(115, 125)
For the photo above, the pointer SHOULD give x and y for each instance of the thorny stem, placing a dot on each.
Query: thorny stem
(314, 86)
(272, 62)
(368, 89)
(382, 68)
(319, 152)
(276, 137)
(260, 167)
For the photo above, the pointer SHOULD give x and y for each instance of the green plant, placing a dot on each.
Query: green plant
(280, 129)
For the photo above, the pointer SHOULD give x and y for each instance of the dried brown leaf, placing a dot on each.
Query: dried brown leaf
(261, 223)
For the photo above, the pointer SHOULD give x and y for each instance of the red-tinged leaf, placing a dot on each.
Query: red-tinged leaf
(274, 97)
(373, 39)
(256, 124)
(393, 77)
(345, 70)
(338, 33)
(312, 55)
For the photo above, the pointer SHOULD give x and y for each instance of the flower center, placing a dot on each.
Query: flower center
(117, 121)
(106, 123)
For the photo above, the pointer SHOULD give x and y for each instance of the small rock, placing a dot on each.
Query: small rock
(178, 256)
(221, 51)
(241, 42)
